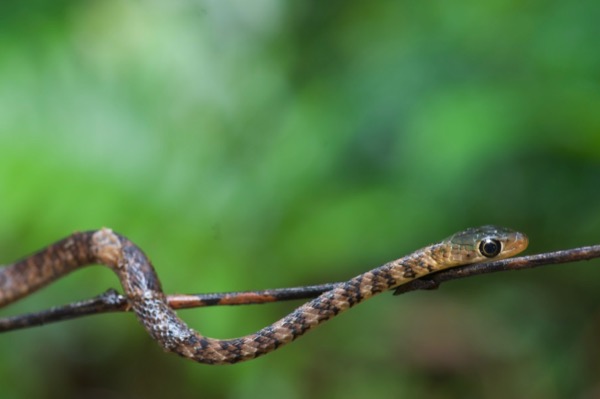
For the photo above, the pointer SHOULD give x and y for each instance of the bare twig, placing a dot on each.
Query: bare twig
(112, 301)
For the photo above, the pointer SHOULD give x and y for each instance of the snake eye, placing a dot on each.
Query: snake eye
(489, 247)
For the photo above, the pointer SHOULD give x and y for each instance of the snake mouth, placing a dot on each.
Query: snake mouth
(515, 244)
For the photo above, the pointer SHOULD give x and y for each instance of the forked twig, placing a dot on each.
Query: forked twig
(112, 301)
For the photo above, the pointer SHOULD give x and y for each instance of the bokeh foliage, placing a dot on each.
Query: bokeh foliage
(248, 145)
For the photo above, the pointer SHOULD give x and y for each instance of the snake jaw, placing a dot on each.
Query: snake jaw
(514, 244)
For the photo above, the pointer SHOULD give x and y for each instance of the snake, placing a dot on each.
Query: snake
(147, 300)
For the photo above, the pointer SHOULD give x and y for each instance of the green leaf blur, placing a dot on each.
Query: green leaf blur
(250, 145)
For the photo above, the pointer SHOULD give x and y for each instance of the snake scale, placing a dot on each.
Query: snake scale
(146, 298)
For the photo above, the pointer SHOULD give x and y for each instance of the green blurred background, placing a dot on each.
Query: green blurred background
(248, 145)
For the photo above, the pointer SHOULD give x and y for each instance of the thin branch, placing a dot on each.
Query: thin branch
(112, 301)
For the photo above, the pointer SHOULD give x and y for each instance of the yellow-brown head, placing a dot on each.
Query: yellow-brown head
(484, 243)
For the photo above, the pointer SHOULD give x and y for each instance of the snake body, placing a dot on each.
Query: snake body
(146, 298)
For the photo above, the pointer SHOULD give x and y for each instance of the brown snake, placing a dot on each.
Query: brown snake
(146, 298)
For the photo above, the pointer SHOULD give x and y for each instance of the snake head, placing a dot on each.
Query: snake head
(485, 243)
(473, 245)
